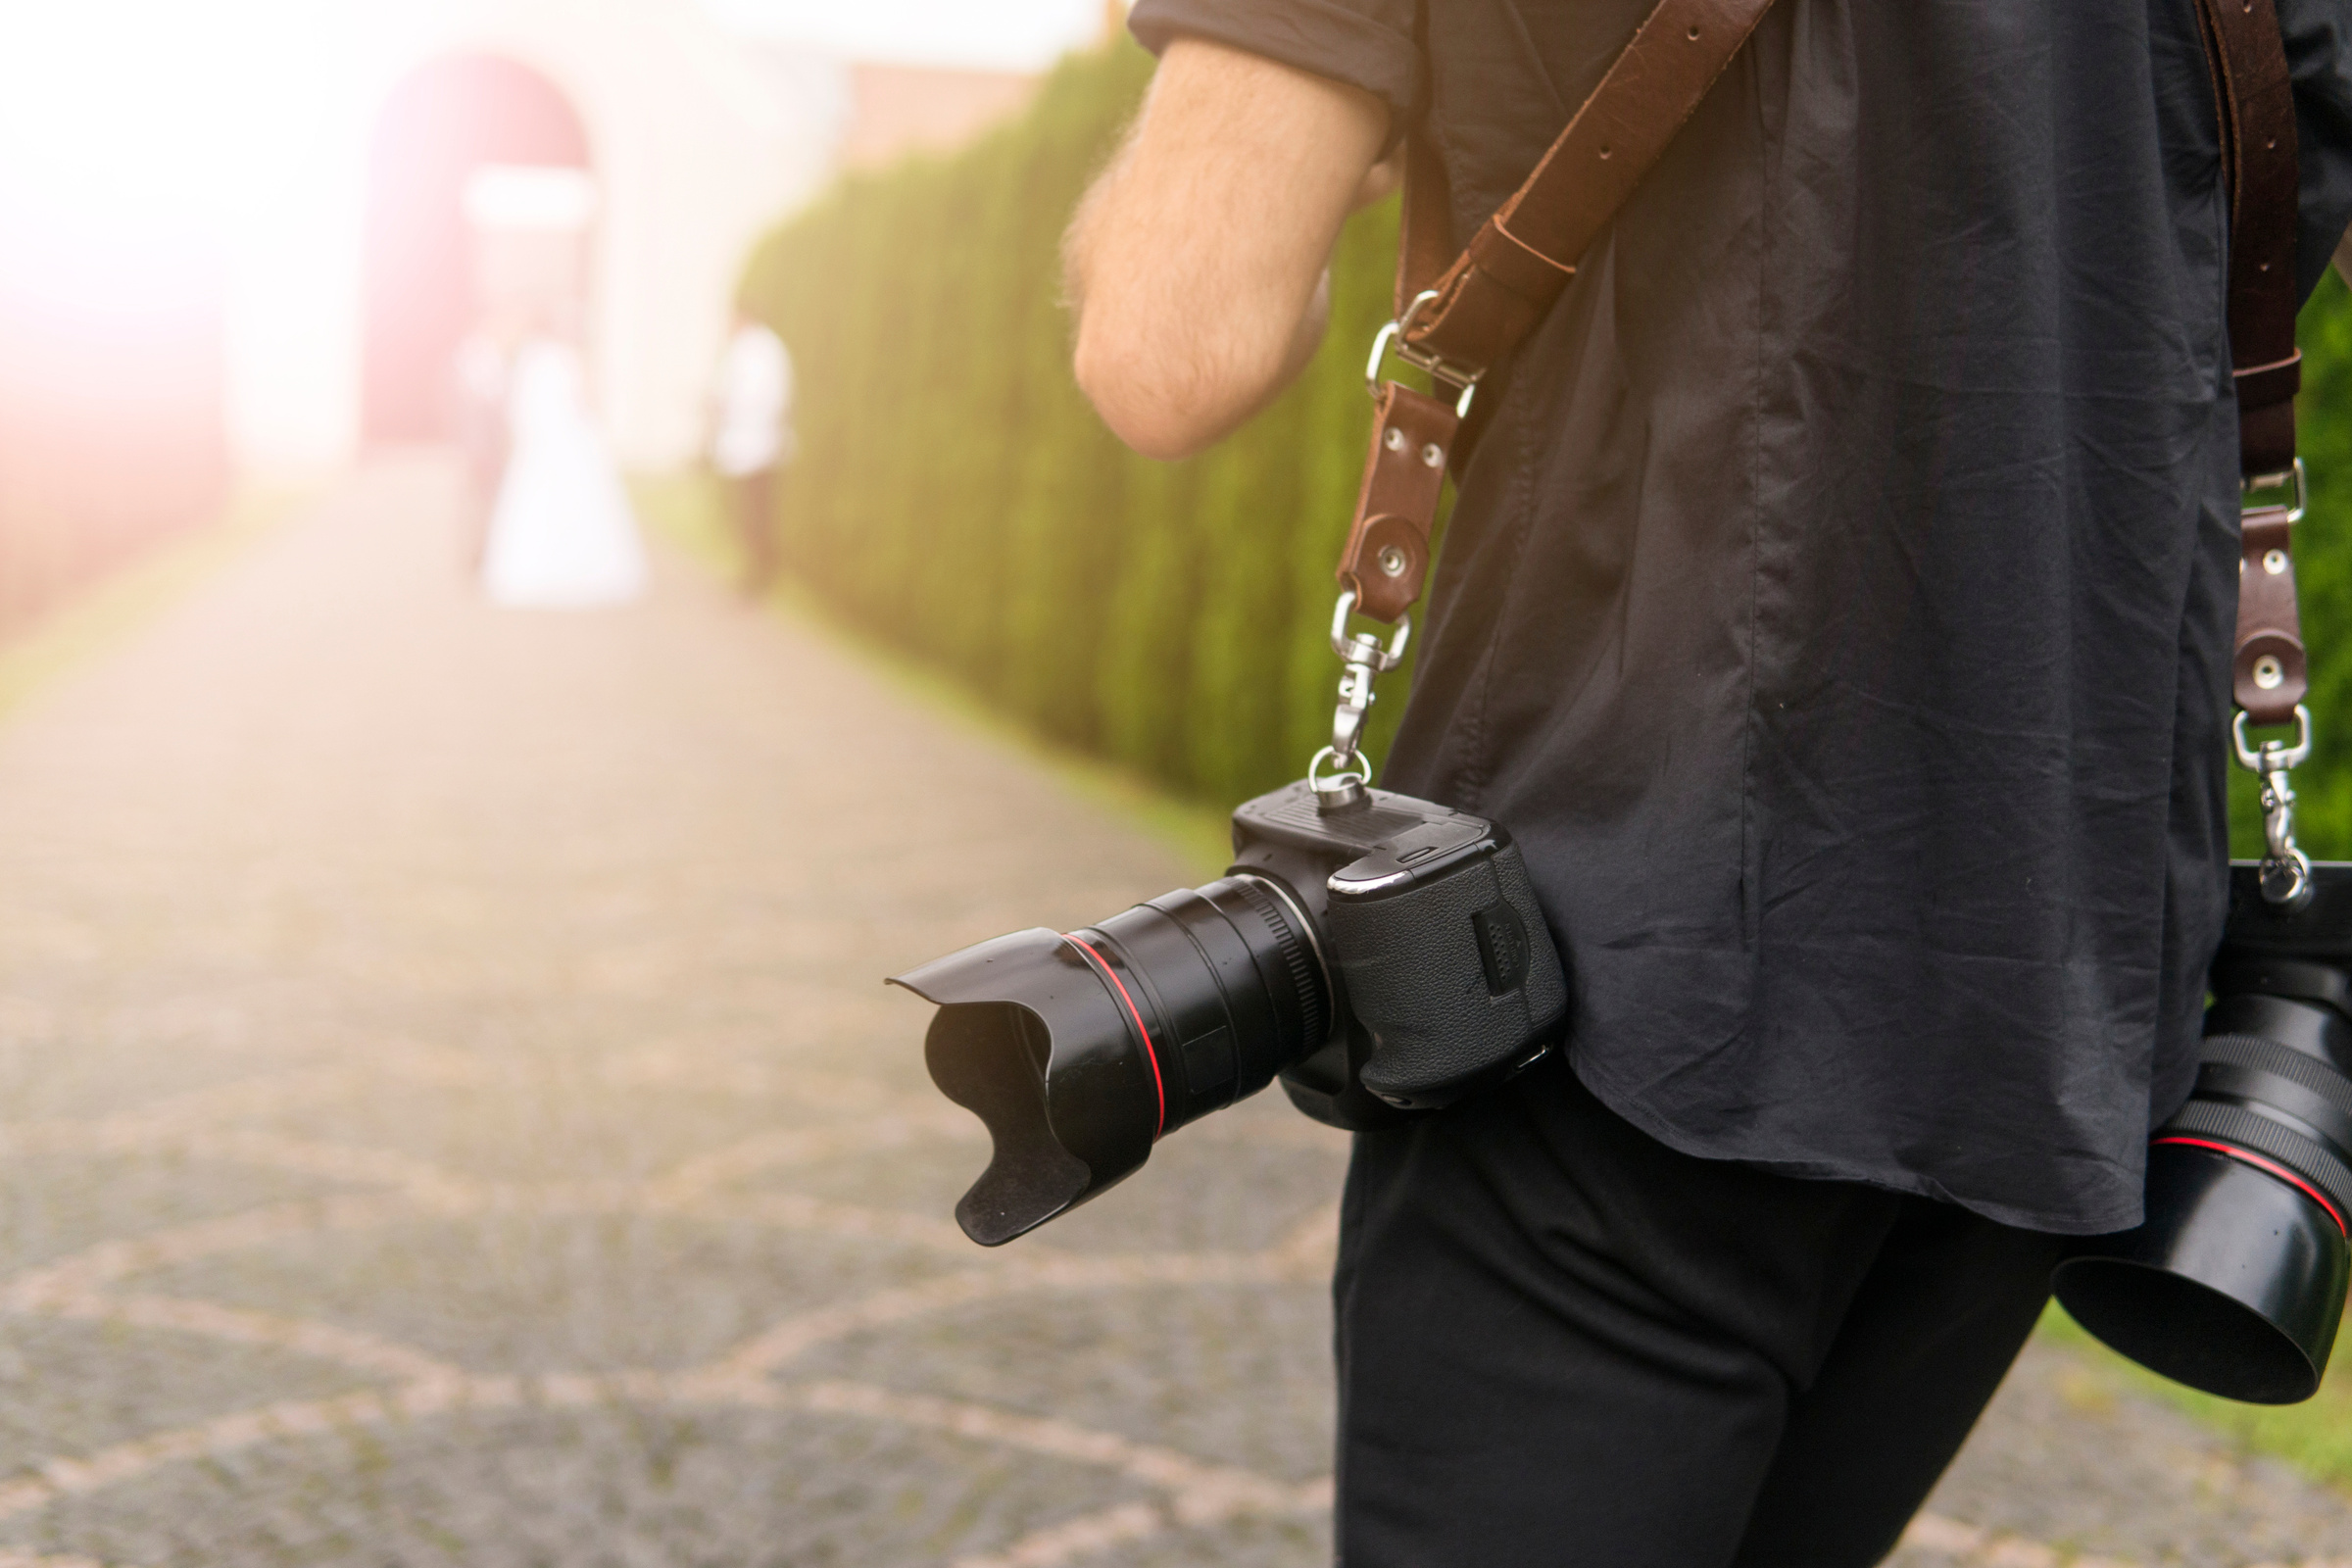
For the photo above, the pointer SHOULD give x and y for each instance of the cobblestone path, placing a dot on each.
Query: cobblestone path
(449, 1115)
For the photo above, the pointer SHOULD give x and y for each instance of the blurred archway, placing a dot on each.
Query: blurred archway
(450, 117)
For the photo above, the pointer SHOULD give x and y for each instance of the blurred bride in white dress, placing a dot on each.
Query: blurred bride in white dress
(562, 534)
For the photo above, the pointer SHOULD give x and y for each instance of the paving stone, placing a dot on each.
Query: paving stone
(1236, 1375)
(53, 1206)
(71, 1388)
(552, 1293)
(125, 1055)
(553, 1120)
(621, 1489)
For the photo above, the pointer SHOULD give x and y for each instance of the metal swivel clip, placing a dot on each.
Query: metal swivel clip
(1365, 659)
(2286, 869)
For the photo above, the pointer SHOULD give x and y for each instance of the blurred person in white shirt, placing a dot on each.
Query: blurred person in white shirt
(750, 438)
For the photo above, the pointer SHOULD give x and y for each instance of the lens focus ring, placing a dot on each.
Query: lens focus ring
(2250, 1130)
(1305, 972)
(2268, 1055)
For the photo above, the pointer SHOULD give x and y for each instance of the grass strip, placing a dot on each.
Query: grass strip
(2315, 1436)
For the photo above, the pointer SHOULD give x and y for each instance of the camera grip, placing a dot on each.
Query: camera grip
(1455, 978)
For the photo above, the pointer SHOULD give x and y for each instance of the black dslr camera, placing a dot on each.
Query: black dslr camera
(2235, 1282)
(1382, 953)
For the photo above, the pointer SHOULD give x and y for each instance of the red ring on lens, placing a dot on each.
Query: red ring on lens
(1151, 1053)
(2261, 1164)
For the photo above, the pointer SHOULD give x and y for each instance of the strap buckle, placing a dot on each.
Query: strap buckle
(1440, 369)
(2296, 482)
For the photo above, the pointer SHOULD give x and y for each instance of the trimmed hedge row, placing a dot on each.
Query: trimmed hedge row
(2324, 573)
(955, 494)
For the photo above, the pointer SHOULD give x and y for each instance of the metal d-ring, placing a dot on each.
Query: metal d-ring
(1362, 648)
(1394, 336)
(1354, 770)
(2272, 756)
(2296, 482)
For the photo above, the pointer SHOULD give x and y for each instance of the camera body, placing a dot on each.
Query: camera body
(1443, 971)
(1382, 953)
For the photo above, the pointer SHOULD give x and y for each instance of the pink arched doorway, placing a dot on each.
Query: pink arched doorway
(448, 117)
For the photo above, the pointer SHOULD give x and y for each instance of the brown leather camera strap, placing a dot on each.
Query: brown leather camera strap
(1490, 295)
(2257, 102)
(1495, 292)
(1523, 257)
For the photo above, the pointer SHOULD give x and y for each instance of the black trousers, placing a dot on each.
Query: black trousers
(1563, 1344)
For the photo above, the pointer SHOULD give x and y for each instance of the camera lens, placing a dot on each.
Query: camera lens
(1224, 979)
(1080, 1049)
(2235, 1282)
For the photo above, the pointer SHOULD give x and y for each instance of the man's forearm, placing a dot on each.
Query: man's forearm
(1196, 264)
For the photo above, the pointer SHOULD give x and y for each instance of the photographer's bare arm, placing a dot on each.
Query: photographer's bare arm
(1196, 263)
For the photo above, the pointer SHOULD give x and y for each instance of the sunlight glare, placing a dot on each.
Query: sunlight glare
(114, 111)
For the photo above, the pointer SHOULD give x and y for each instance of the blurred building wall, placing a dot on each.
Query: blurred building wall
(112, 379)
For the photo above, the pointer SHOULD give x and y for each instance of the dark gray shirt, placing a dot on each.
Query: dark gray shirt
(1838, 606)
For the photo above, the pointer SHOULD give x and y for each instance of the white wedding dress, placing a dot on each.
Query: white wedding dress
(562, 534)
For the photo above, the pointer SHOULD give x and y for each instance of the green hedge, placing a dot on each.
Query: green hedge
(2323, 572)
(955, 494)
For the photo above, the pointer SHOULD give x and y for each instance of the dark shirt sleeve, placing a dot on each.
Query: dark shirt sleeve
(1365, 43)
(2319, 54)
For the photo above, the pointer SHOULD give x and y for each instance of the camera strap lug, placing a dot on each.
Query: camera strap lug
(2268, 672)
(2286, 869)
(2268, 675)
(1387, 555)
(1363, 659)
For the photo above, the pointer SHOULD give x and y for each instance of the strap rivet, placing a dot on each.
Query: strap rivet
(2269, 673)
(1433, 454)
(2273, 561)
(1394, 440)
(1392, 561)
